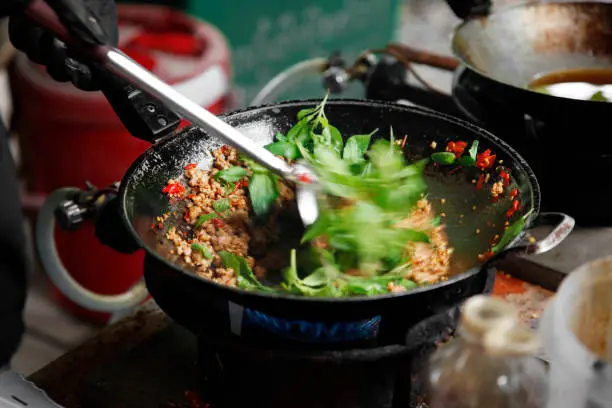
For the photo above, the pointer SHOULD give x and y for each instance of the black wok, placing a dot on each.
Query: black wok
(509, 48)
(497, 56)
(562, 138)
(198, 303)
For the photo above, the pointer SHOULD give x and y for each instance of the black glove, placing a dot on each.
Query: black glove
(42, 48)
(469, 8)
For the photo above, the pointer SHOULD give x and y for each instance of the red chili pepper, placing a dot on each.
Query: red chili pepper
(486, 255)
(304, 178)
(453, 171)
(239, 185)
(513, 194)
(480, 182)
(191, 166)
(516, 205)
(174, 189)
(505, 177)
(224, 149)
(217, 222)
(485, 159)
(456, 147)
(186, 216)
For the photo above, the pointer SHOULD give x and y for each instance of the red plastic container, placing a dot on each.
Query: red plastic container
(67, 136)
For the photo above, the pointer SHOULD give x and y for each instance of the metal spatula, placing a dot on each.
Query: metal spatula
(119, 64)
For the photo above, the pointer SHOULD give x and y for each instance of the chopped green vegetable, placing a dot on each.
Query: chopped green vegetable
(231, 175)
(474, 150)
(443, 157)
(376, 189)
(598, 96)
(436, 221)
(221, 205)
(204, 219)
(470, 160)
(205, 252)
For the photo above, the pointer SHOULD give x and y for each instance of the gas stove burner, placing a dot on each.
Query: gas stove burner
(379, 377)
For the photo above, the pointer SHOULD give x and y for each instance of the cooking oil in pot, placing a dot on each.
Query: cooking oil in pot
(587, 84)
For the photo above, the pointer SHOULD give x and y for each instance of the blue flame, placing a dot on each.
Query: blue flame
(320, 332)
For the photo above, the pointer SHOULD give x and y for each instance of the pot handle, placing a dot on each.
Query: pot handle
(562, 225)
(61, 278)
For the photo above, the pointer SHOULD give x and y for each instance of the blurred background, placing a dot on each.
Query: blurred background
(220, 56)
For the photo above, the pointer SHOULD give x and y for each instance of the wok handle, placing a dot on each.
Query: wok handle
(562, 225)
(60, 276)
(417, 56)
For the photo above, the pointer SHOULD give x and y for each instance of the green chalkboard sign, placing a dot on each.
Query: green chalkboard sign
(268, 36)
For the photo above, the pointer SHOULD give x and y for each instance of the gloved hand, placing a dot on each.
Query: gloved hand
(469, 8)
(41, 46)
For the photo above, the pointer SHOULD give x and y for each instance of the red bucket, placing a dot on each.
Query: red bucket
(67, 136)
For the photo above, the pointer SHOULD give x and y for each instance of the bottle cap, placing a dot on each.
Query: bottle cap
(511, 341)
(481, 314)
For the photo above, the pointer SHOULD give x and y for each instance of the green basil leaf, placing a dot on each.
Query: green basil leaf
(443, 157)
(306, 112)
(297, 132)
(280, 137)
(408, 284)
(245, 277)
(205, 252)
(263, 192)
(316, 279)
(333, 138)
(368, 286)
(513, 231)
(288, 150)
(317, 229)
(342, 242)
(252, 165)
(316, 284)
(356, 147)
(204, 218)
(231, 175)
(221, 205)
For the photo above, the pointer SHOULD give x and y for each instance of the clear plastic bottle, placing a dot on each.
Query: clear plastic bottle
(490, 364)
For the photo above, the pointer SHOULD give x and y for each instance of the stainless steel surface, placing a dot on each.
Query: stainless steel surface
(126, 68)
(17, 392)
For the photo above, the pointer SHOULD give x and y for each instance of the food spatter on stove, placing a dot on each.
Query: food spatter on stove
(376, 233)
